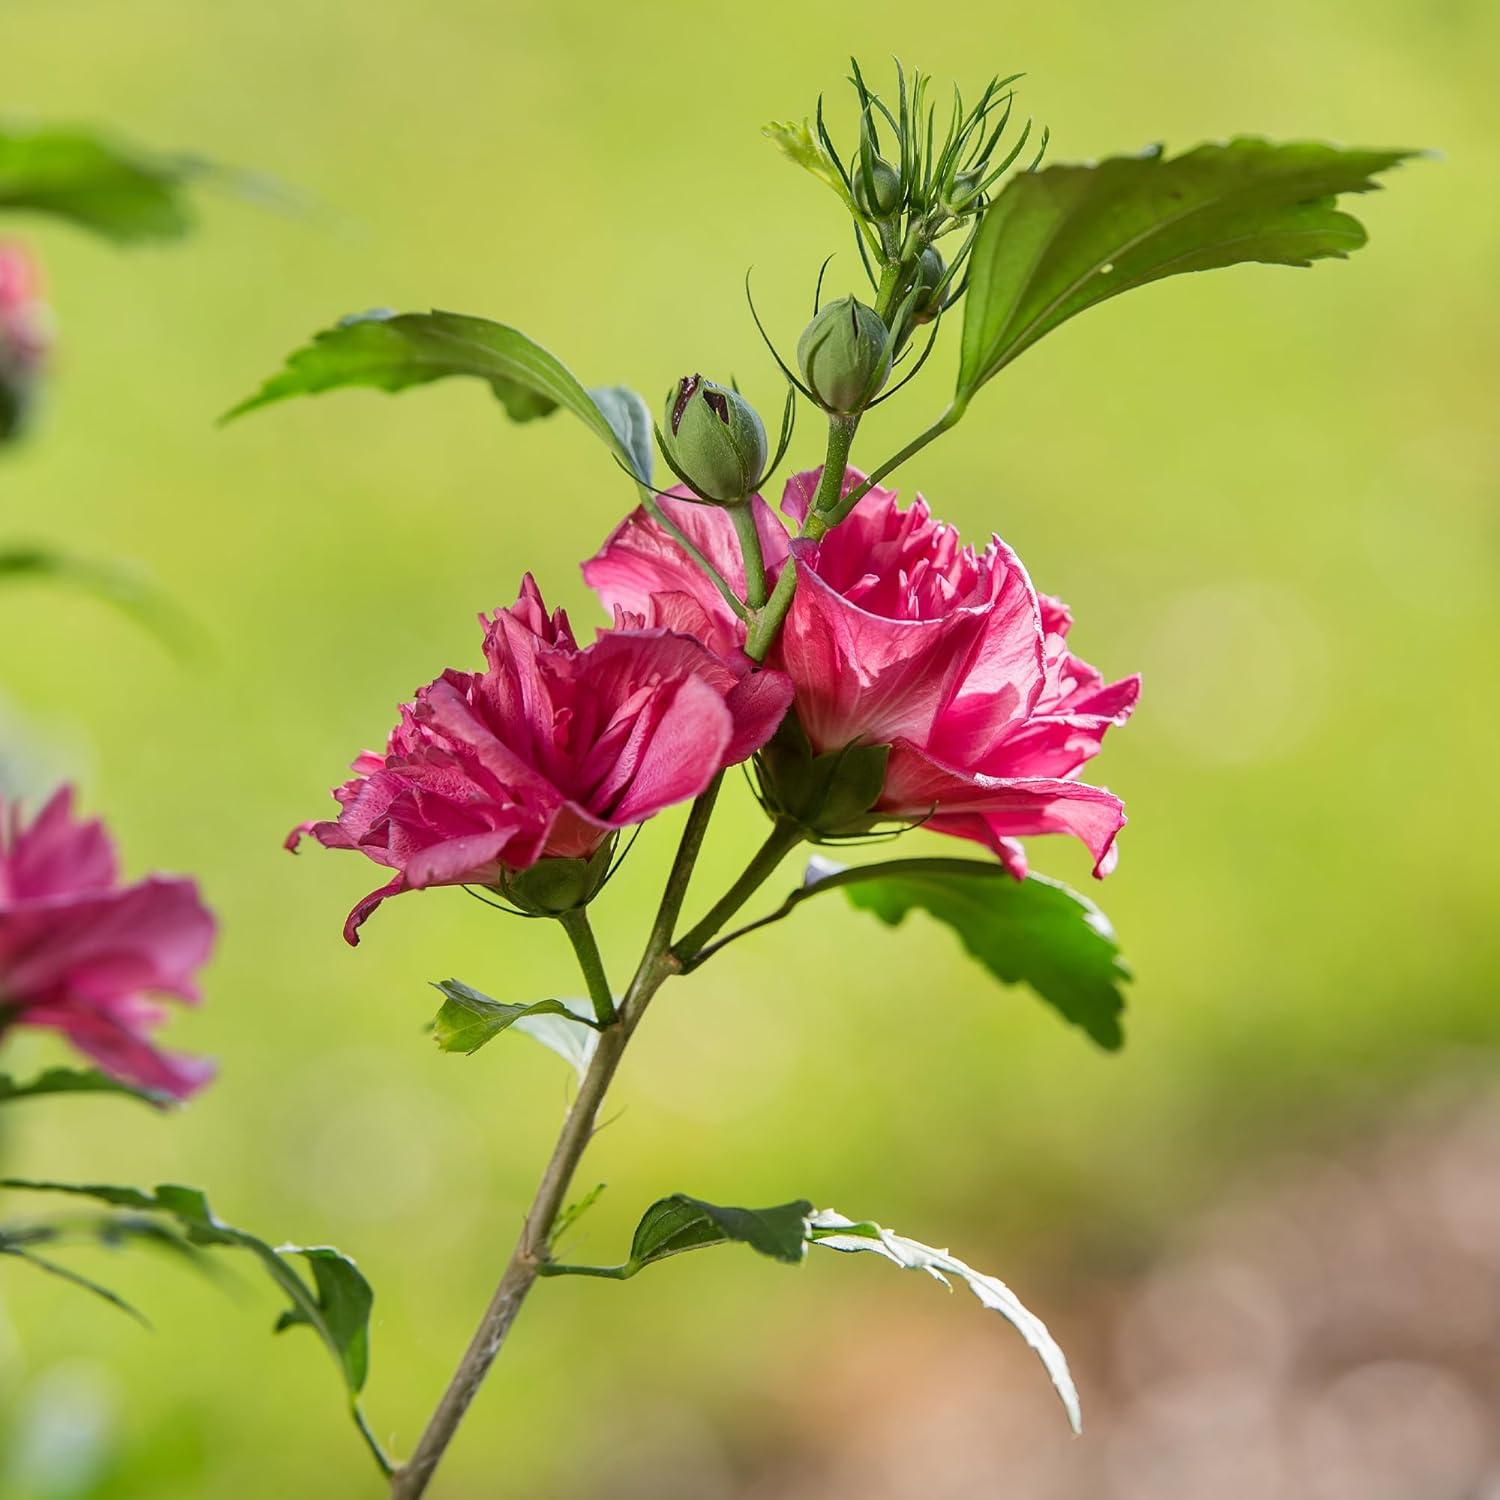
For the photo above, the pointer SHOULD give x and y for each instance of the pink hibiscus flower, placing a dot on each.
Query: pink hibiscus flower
(83, 955)
(548, 751)
(900, 636)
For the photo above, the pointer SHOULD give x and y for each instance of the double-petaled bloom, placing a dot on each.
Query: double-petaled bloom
(83, 955)
(550, 749)
(900, 636)
(23, 339)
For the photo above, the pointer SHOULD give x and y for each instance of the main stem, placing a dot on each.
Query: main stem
(530, 1254)
(526, 1261)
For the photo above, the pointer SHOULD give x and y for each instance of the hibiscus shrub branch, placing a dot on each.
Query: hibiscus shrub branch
(878, 673)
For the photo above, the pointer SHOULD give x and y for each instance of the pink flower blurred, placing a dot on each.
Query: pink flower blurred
(23, 338)
(899, 635)
(83, 955)
(548, 750)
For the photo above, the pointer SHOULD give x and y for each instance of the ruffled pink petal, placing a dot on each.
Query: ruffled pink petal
(1011, 853)
(641, 561)
(124, 1052)
(1004, 676)
(362, 908)
(797, 497)
(56, 855)
(1001, 808)
(683, 754)
(861, 676)
(757, 704)
(473, 859)
(107, 945)
(1057, 744)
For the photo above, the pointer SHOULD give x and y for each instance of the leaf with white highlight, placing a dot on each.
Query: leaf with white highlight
(469, 1019)
(679, 1223)
(834, 1232)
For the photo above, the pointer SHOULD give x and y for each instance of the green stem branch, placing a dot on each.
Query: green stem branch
(767, 624)
(832, 518)
(782, 839)
(748, 534)
(581, 934)
(371, 1441)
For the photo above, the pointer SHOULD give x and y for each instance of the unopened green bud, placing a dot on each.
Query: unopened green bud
(845, 356)
(928, 301)
(877, 193)
(963, 196)
(714, 439)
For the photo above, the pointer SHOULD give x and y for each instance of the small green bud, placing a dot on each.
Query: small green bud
(714, 437)
(845, 356)
(928, 302)
(878, 194)
(963, 196)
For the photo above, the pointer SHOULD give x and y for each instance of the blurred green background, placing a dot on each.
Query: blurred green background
(1271, 492)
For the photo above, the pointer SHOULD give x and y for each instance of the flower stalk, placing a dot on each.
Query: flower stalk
(581, 934)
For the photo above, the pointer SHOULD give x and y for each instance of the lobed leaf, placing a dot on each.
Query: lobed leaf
(1061, 240)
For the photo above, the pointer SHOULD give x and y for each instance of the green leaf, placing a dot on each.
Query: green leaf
(672, 1225)
(629, 419)
(125, 194)
(1061, 240)
(677, 1224)
(111, 583)
(76, 1081)
(336, 1306)
(393, 351)
(1034, 931)
(469, 1019)
(798, 143)
(340, 1313)
(67, 1273)
(834, 1232)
